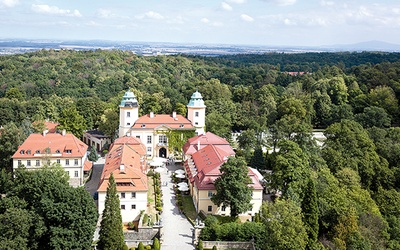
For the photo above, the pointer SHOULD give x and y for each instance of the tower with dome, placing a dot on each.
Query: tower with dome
(152, 128)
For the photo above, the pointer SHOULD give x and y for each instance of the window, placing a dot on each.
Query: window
(149, 139)
(162, 139)
(122, 195)
(209, 208)
(223, 208)
(133, 195)
(76, 174)
(128, 114)
(68, 151)
(47, 151)
(138, 136)
(196, 123)
(19, 163)
(22, 152)
(122, 207)
(128, 124)
(37, 151)
(196, 114)
(37, 162)
(133, 206)
(67, 173)
(28, 163)
(58, 161)
(149, 149)
(57, 151)
(76, 161)
(67, 162)
(28, 152)
(210, 193)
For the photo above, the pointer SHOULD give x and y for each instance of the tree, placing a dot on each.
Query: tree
(72, 121)
(373, 117)
(111, 234)
(309, 208)
(284, 226)
(50, 213)
(10, 138)
(93, 155)
(258, 159)
(232, 186)
(109, 123)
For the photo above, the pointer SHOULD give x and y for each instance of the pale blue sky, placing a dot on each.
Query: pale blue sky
(262, 22)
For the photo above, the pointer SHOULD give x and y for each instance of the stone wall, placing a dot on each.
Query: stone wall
(228, 245)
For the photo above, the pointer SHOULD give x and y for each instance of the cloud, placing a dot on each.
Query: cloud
(54, 10)
(9, 3)
(289, 22)
(237, 1)
(281, 2)
(153, 15)
(226, 6)
(205, 20)
(327, 3)
(246, 18)
(103, 13)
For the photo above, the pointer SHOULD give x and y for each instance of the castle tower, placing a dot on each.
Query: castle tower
(197, 112)
(128, 113)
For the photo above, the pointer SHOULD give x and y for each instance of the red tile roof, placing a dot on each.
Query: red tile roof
(87, 166)
(192, 145)
(130, 153)
(147, 121)
(208, 161)
(57, 143)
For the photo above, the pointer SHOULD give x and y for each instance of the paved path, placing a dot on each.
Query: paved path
(177, 229)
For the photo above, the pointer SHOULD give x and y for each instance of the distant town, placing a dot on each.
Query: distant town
(15, 46)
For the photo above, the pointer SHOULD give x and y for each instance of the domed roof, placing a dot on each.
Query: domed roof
(129, 100)
(196, 100)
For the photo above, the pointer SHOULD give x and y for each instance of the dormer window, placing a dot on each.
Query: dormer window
(143, 125)
(22, 152)
(37, 151)
(57, 151)
(28, 152)
(181, 126)
(68, 151)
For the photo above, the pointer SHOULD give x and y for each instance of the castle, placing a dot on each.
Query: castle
(151, 128)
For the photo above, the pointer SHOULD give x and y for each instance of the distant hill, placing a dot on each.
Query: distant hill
(366, 46)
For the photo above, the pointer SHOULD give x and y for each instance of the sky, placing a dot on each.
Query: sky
(241, 22)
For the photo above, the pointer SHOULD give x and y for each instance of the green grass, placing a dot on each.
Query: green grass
(188, 207)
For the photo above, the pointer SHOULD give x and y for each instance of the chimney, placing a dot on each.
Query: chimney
(128, 134)
(45, 132)
(63, 132)
(151, 114)
(122, 168)
(174, 114)
(198, 145)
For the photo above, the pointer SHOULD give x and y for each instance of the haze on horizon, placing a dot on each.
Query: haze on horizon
(258, 22)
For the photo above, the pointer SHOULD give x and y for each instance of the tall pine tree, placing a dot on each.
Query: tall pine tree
(309, 208)
(111, 234)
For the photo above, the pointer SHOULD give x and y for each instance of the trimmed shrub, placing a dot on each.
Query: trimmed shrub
(141, 246)
(200, 245)
(125, 247)
(156, 244)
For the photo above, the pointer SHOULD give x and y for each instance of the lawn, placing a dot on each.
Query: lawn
(188, 207)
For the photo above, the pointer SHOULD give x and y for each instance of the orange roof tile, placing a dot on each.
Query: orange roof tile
(57, 143)
(146, 121)
(87, 166)
(192, 145)
(130, 153)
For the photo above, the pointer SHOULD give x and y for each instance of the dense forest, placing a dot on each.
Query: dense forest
(344, 194)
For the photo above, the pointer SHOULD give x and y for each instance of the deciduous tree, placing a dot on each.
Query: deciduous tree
(232, 186)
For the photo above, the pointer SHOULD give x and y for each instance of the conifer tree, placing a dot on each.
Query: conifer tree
(111, 234)
(309, 208)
